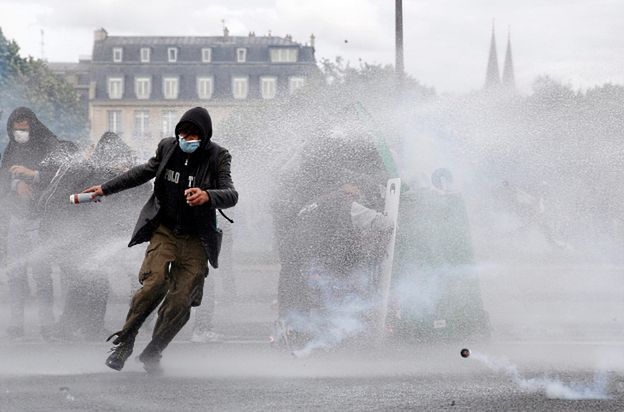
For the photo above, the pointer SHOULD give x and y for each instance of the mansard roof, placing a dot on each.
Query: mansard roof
(192, 45)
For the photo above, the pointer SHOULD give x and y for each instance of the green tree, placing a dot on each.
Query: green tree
(29, 82)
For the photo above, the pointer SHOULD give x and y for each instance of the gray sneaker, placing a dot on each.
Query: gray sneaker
(120, 354)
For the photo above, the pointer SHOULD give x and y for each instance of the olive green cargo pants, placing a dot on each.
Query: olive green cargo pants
(173, 273)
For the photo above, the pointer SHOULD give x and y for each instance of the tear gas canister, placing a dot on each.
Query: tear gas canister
(78, 198)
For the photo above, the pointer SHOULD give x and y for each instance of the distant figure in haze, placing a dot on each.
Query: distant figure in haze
(331, 157)
(69, 228)
(22, 178)
(337, 244)
(192, 180)
(531, 210)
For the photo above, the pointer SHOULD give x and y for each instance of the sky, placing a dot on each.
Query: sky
(578, 42)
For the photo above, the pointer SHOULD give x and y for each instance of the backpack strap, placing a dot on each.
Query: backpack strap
(213, 162)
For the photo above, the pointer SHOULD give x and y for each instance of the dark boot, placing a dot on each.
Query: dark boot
(120, 353)
(150, 357)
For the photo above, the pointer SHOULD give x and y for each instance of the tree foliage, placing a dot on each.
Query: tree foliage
(369, 81)
(29, 82)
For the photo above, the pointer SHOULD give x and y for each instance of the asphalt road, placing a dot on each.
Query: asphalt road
(502, 376)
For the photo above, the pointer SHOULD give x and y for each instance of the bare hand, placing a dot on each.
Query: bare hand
(96, 190)
(196, 197)
(23, 190)
(22, 172)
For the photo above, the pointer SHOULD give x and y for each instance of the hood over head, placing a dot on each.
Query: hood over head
(112, 151)
(30, 154)
(199, 117)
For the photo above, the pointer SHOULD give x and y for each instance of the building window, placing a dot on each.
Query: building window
(206, 55)
(114, 121)
(295, 83)
(143, 87)
(117, 54)
(268, 87)
(284, 55)
(168, 121)
(172, 54)
(145, 54)
(204, 87)
(241, 55)
(170, 87)
(115, 87)
(240, 87)
(141, 123)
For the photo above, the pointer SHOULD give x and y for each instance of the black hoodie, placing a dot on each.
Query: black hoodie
(180, 173)
(212, 174)
(32, 155)
(199, 117)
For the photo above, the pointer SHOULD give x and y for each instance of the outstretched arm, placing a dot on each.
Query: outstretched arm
(132, 178)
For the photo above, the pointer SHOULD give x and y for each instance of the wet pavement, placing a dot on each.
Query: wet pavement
(253, 376)
(556, 346)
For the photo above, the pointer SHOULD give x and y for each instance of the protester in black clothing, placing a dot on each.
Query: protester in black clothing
(192, 180)
(69, 229)
(324, 161)
(22, 177)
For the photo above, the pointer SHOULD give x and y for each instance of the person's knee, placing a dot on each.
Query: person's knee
(177, 307)
(153, 279)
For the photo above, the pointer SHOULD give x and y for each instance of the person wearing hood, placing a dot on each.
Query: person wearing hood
(192, 180)
(69, 228)
(23, 175)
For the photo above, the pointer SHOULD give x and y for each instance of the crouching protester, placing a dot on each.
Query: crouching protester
(192, 180)
(337, 244)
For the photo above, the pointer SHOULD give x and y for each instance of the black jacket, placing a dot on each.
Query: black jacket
(213, 175)
(33, 155)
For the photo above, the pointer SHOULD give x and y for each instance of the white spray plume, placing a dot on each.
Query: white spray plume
(552, 388)
(339, 317)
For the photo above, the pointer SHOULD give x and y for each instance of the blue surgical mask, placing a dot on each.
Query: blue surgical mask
(189, 146)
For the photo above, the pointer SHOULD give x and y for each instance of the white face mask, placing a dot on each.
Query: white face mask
(21, 136)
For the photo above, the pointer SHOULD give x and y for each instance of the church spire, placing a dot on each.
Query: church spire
(509, 80)
(492, 78)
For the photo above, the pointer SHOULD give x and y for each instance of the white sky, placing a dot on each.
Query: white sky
(580, 42)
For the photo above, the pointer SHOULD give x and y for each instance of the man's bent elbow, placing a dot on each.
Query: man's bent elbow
(234, 198)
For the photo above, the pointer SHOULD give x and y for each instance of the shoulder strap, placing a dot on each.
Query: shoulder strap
(213, 163)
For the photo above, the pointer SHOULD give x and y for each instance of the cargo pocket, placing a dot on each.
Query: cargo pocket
(148, 262)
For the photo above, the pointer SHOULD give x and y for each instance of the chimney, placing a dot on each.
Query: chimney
(100, 34)
(226, 33)
(289, 37)
(312, 38)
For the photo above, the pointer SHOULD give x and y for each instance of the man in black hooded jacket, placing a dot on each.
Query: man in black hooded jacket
(22, 178)
(192, 180)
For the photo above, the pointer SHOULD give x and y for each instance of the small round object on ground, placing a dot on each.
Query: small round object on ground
(465, 353)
